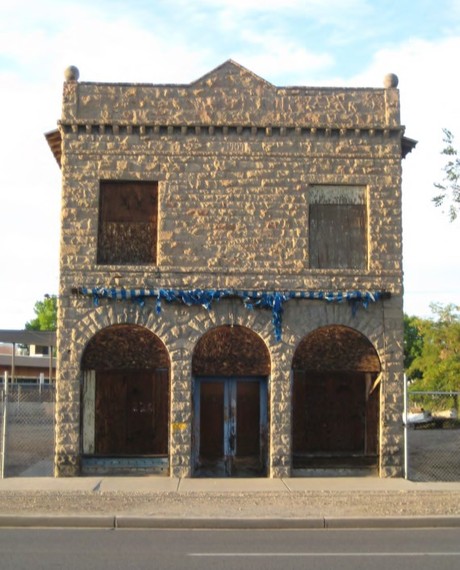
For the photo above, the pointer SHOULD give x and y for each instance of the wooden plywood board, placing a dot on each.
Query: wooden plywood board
(128, 220)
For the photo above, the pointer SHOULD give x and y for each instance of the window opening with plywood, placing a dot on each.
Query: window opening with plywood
(128, 220)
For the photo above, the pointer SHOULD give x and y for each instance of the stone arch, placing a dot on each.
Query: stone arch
(126, 371)
(107, 315)
(335, 407)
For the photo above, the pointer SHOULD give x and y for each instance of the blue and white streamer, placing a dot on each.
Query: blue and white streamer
(273, 300)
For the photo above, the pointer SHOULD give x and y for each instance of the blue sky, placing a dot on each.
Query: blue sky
(287, 42)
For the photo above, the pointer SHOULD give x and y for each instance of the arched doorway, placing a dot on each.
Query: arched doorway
(335, 400)
(125, 396)
(230, 365)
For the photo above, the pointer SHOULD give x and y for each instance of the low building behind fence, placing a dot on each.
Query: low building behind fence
(433, 436)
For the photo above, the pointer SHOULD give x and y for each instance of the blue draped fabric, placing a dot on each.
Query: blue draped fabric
(251, 299)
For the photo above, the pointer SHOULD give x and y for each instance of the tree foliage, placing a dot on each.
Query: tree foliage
(413, 345)
(449, 189)
(45, 315)
(432, 352)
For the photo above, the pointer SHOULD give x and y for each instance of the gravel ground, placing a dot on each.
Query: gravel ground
(234, 505)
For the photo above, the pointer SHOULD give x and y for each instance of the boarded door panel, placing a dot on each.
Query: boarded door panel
(211, 420)
(329, 413)
(248, 419)
(140, 413)
(299, 412)
(131, 412)
(110, 428)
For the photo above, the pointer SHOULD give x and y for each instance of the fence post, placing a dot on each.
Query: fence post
(41, 383)
(406, 443)
(5, 412)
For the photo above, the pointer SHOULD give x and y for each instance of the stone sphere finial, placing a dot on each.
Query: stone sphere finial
(71, 73)
(390, 81)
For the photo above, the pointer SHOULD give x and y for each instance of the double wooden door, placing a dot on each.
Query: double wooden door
(230, 428)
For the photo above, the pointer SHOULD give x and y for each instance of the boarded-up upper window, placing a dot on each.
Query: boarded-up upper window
(128, 214)
(338, 227)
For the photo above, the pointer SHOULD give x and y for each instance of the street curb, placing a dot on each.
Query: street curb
(435, 521)
(57, 521)
(219, 523)
(146, 522)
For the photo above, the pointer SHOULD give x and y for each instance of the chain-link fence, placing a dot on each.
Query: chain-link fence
(433, 436)
(27, 430)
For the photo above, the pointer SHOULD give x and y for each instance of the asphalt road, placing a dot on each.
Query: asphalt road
(50, 549)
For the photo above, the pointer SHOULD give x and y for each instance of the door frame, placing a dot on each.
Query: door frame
(230, 426)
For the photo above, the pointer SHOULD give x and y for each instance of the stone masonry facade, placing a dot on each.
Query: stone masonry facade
(234, 158)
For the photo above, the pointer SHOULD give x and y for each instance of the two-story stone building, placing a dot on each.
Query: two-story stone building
(231, 287)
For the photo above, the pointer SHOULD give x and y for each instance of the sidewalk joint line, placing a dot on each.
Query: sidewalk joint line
(286, 485)
(97, 487)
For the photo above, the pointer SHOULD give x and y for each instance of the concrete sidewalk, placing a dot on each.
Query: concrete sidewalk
(161, 502)
(219, 485)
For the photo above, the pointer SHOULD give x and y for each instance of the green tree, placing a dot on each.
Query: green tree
(413, 345)
(45, 315)
(449, 189)
(439, 359)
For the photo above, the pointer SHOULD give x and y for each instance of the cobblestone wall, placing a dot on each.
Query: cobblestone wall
(234, 157)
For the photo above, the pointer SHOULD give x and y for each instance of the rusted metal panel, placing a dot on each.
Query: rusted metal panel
(231, 351)
(125, 346)
(128, 216)
(336, 348)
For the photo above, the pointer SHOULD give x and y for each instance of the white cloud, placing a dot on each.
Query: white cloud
(280, 60)
(428, 86)
(326, 10)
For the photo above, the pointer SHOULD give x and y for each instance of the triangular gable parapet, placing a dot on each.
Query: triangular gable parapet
(231, 70)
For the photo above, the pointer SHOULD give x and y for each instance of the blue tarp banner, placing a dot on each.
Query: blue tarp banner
(252, 299)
